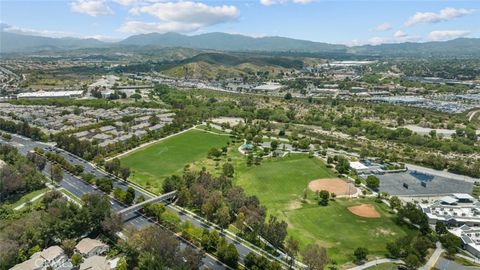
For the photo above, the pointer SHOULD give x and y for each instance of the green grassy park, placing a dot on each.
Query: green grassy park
(150, 165)
(279, 183)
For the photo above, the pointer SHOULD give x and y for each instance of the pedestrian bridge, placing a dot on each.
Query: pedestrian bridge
(167, 196)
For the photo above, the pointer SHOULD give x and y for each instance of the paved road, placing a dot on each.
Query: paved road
(78, 188)
(444, 264)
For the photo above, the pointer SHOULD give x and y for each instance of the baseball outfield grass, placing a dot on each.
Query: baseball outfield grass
(279, 183)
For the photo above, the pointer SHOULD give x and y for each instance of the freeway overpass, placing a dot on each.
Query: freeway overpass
(167, 196)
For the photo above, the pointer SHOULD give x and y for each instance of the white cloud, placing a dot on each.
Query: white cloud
(277, 2)
(149, 27)
(400, 34)
(179, 17)
(398, 37)
(383, 27)
(125, 2)
(377, 40)
(447, 34)
(35, 32)
(302, 1)
(445, 14)
(92, 7)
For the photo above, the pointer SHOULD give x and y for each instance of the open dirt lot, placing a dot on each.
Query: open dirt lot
(335, 185)
(364, 210)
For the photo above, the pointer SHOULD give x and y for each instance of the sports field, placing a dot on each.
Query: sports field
(150, 165)
(280, 183)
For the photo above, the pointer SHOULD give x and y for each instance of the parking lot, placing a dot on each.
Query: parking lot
(396, 184)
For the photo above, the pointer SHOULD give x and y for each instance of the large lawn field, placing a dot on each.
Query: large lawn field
(280, 183)
(150, 165)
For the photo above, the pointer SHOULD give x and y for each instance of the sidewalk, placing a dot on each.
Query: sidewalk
(375, 262)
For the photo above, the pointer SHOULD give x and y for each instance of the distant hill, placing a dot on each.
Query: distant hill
(462, 47)
(11, 42)
(230, 42)
(215, 65)
(456, 47)
(235, 60)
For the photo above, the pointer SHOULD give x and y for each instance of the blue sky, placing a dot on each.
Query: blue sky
(335, 21)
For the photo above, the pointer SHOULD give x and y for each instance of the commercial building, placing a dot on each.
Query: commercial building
(455, 210)
(470, 238)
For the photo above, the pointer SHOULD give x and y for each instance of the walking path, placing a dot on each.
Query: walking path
(434, 258)
(375, 262)
(30, 201)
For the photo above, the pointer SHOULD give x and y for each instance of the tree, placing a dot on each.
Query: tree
(323, 195)
(56, 172)
(360, 254)
(136, 96)
(228, 169)
(191, 259)
(394, 250)
(223, 217)
(358, 182)
(274, 145)
(291, 248)
(125, 173)
(343, 166)
(122, 264)
(440, 228)
(76, 259)
(288, 96)
(373, 182)
(172, 183)
(315, 257)
(112, 224)
(275, 231)
(153, 120)
(214, 152)
(113, 166)
(412, 261)
(184, 197)
(395, 202)
(68, 246)
(129, 196)
(227, 254)
(210, 240)
(451, 243)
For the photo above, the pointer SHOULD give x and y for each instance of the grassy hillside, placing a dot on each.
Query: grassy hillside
(220, 65)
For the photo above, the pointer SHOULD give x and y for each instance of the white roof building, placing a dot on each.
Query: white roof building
(356, 165)
(50, 94)
(89, 247)
(269, 87)
(470, 238)
(95, 263)
(456, 210)
(50, 257)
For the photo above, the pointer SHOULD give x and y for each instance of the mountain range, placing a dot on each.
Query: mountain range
(13, 42)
